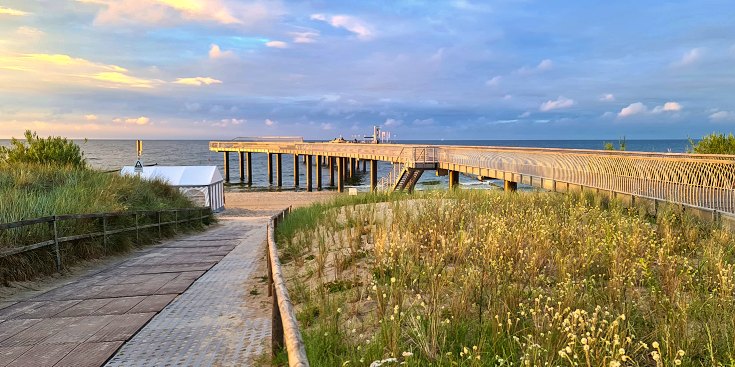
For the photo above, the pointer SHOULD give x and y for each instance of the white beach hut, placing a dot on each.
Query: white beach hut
(202, 184)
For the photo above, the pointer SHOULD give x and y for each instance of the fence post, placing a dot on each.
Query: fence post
(137, 231)
(56, 245)
(176, 221)
(159, 224)
(276, 325)
(104, 230)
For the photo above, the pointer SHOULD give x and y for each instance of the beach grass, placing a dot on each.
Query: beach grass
(31, 191)
(486, 278)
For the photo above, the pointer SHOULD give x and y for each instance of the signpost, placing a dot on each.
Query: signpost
(139, 162)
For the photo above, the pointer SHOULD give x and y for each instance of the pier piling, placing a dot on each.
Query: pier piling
(279, 170)
(453, 180)
(308, 173)
(241, 166)
(341, 174)
(270, 168)
(319, 172)
(373, 175)
(227, 166)
(510, 186)
(331, 171)
(295, 170)
(249, 157)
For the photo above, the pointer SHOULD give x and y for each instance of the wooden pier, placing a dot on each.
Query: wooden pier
(706, 182)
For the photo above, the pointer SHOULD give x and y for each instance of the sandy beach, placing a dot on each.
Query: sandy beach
(263, 203)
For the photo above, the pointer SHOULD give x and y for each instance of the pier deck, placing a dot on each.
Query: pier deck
(83, 323)
(705, 183)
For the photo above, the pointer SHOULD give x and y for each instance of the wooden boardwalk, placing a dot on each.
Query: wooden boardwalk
(85, 322)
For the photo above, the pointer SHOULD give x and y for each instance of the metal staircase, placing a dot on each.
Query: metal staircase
(401, 178)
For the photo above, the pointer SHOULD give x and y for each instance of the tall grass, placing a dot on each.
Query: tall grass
(526, 279)
(29, 191)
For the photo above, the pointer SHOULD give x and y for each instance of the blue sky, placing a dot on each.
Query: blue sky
(506, 69)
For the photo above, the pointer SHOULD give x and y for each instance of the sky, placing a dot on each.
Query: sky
(501, 69)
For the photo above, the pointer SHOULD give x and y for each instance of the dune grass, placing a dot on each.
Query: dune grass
(31, 191)
(486, 278)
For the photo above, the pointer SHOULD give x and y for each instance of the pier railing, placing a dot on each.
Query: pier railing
(706, 181)
(284, 325)
(55, 237)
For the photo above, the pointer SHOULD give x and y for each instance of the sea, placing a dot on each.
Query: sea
(112, 155)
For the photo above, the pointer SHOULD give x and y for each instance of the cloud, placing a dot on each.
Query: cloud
(667, 107)
(162, 12)
(392, 122)
(90, 117)
(29, 33)
(326, 126)
(269, 122)
(197, 81)
(215, 52)
(690, 57)
(304, 37)
(525, 114)
(276, 44)
(347, 22)
(607, 97)
(722, 116)
(140, 121)
(424, 122)
(636, 108)
(44, 70)
(229, 122)
(12, 12)
(559, 103)
(494, 81)
(544, 65)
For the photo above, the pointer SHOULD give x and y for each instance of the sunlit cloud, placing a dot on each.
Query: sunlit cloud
(494, 81)
(544, 65)
(348, 23)
(667, 107)
(276, 44)
(690, 57)
(633, 109)
(41, 70)
(720, 116)
(215, 52)
(557, 104)
(269, 122)
(12, 12)
(197, 81)
(607, 97)
(304, 37)
(90, 117)
(140, 121)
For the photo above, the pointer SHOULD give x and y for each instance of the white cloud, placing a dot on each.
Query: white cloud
(12, 12)
(304, 37)
(327, 126)
(636, 108)
(197, 81)
(269, 122)
(424, 122)
(140, 121)
(215, 52)
(607, 97)
(544, 65)
(667, 107)
(494, 81)
(90, 117)
(347, 22)
(507, 97)
(276, 44)
(722, 116)
(229, 122)
(559, 103)
(690, 57)
(525, 114)
(193, 107)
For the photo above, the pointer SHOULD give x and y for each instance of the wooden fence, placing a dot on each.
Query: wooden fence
(179, 216)
(285, 327)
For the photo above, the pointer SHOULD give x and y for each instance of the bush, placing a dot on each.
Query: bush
(715, 143)
(52, 150)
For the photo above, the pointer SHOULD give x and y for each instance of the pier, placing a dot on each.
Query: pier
(702, 182)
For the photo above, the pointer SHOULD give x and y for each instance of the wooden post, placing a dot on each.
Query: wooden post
(309, 183)
(104, 230)
(137, 230)
(279, 170)
(241, 155)
(319, 172)
(373, 175)
(453, 179)
(341, 174)
(250, 167)
(364, 165)
(510, 186)
(296, 170)
(276, 325)
(176, 221)
(351, 167)
(57, 251)
(331, 171)
(270, 168)
(158, 214)
(227, 166)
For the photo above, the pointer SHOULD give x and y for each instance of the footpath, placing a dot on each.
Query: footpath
(192, 301)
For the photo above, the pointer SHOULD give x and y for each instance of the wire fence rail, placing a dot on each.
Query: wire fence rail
(284, 325)
(142, 219)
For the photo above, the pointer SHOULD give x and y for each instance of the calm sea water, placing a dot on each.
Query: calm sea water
(111, 155)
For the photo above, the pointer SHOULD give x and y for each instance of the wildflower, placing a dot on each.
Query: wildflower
(655, 345)
(406, 354)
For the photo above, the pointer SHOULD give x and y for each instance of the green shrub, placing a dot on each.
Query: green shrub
(52, 150)
(715, 143)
